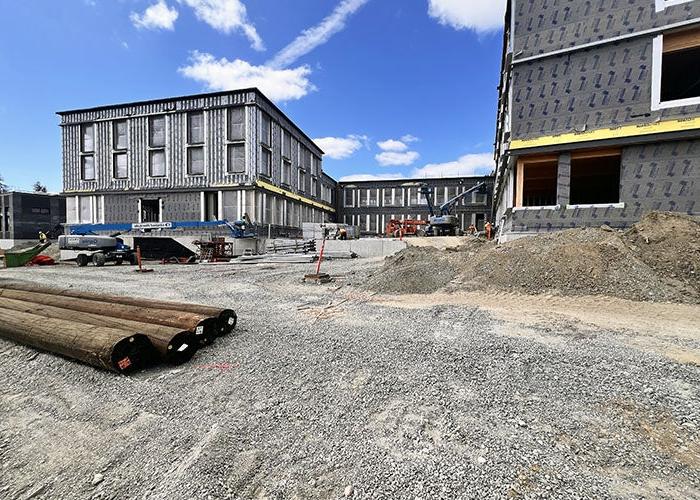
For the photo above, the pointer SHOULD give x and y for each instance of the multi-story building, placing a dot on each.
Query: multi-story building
(23, 215)
(370, 205)
(599, 113)
(200, 157)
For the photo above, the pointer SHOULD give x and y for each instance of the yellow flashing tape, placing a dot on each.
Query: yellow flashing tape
(293, 196)
(609, 133)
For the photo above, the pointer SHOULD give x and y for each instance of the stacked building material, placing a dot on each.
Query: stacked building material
(122, 334)
(290, 246)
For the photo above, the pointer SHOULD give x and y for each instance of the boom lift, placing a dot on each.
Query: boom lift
(441, 221)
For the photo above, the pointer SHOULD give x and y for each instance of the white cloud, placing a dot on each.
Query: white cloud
(226, 16)
(393, 158)
(222, 74)
(340, 148)
(392, 145)
(395, 152)
(397, 145)
(371, 177)
(471, 164)
(477, 15)
(157, 16)
(317, 35)
(273, 79)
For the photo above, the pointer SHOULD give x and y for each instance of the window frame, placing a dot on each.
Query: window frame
(591, 154)
(351, 192)
(301, 180)
(115, 136)
(156, 149)
(118, 150)
(151, 152)
(85, 153)
(83, 126)
(263, 117)
(268, 173)
(286, 177)
(662, 5)
(287, 138)
(190, 150)
(151, 119)
(231, 142)
(190, 115)
(115, 165)
(229, 146)
(84, 157)
(656, 78)
(521, 179)
(229, 127)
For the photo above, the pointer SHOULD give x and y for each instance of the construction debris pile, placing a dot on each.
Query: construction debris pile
(658, 259)
(122, 334)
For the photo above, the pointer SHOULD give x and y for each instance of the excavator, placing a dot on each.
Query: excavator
(441, 221)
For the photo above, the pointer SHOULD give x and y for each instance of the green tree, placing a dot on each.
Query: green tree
(39, 187)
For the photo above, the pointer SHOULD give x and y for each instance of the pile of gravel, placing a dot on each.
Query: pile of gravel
(657, 260)
(669, 244)
(414, 270)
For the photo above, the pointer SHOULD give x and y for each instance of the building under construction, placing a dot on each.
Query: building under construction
(23, 215)
(202, 157)
(599, 114)
(370, 205)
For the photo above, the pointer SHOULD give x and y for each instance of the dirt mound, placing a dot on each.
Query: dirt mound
(414, 270)
(669, 244)
(592, 261)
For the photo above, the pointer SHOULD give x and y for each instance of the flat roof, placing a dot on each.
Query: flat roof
(418, 179)
(192, 96)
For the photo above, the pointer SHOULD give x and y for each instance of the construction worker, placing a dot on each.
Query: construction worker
(472, 229)
(42, 237)
(489, 229)
(342, 233)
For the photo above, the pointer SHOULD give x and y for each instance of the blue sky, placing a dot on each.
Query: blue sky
(388, 87)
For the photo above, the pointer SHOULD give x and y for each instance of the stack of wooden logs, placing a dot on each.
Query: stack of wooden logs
(123, 334)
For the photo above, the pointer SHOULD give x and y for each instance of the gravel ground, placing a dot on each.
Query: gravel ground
(326, 392)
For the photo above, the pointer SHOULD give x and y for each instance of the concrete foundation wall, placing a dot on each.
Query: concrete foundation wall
(365, 247)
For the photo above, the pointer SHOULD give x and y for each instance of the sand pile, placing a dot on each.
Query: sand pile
(657, 260)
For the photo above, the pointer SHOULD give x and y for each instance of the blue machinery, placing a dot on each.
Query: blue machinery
(239, 229)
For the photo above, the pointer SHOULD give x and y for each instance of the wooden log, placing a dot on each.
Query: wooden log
(174, 345)
(226, 317)
(204, 328)
(107, 348)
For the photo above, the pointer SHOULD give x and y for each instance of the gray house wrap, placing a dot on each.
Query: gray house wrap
(580, 76)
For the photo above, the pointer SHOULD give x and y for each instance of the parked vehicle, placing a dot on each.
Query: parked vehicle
(97, 249)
